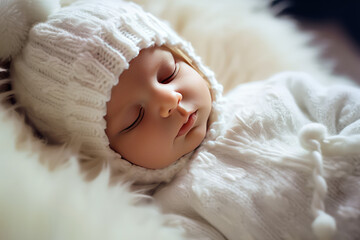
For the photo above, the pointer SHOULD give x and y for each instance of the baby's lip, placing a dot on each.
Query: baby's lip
(188, 124)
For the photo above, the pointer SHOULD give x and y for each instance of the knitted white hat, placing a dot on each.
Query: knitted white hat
(64, 74)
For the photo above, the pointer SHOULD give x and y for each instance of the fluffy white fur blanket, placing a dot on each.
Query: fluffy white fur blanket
(36, 203)
(240, 40)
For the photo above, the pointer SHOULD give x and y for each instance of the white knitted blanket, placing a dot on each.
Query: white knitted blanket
(285, 164)
(39, 204)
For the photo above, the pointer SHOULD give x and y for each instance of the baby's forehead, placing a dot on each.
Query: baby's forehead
(147, 59)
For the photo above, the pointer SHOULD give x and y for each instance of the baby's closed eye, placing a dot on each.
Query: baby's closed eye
(136, 122)
(172, 75)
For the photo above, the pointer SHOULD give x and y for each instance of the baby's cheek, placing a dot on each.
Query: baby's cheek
(193, 139)
(154, 155)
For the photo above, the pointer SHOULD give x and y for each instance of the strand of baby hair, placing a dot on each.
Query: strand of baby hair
(180, 53)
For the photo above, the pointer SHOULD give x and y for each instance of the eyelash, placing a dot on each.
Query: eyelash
(173, 74)
(136, 122)
(142, 111)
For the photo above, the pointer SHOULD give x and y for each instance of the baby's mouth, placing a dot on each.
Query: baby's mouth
(188, 124)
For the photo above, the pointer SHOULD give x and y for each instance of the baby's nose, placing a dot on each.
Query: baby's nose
(169, 103)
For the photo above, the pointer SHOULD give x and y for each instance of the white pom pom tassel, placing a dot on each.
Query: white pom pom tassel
(310, 134)
(311, 137)
(16, 18)
(324, 226)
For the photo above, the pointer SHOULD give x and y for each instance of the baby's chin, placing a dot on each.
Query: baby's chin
(189, 145)
(197, 137)
(190, 149)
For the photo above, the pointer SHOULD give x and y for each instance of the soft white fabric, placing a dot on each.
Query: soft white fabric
(229, 36)
(38, 204)
(286, 165)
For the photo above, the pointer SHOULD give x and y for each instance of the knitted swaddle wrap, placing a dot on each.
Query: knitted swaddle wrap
(64, 75)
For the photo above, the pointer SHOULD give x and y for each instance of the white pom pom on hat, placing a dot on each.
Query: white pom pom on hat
(16, 18)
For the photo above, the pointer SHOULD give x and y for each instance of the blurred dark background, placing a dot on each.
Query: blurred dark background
(344, 12)
(335, 25)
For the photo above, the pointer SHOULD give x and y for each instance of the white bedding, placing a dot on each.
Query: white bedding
(284, 164)
(36, 203)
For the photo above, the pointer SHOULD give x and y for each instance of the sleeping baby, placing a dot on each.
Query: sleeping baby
(274, 159)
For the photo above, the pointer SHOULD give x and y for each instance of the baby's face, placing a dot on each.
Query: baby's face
(159, 110)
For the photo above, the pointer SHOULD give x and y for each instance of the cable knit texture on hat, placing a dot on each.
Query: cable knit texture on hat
(64, 75)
